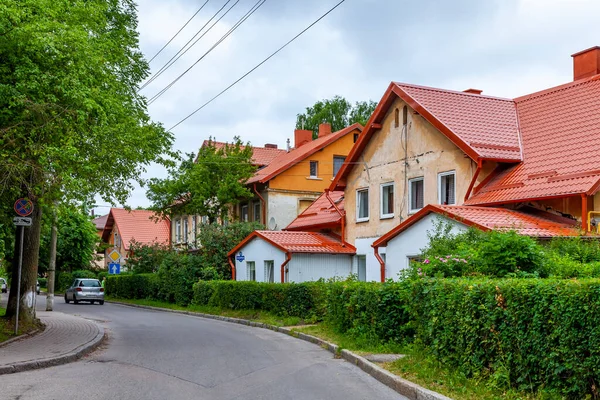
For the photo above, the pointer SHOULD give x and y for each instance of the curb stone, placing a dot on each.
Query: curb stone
(17, 338)
(400, 385)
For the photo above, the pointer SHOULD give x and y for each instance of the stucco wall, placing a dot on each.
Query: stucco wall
(283, 206)
(259, 251)
(363, 247)
(312, 267)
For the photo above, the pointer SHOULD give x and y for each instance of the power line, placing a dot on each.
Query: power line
(257, 66)
(169, 63)
(252, 10)
(179, 31)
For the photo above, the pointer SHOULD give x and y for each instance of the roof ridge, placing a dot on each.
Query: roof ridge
(554, 89)
(458, 92)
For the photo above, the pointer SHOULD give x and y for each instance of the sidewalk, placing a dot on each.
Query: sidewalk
(65, 339)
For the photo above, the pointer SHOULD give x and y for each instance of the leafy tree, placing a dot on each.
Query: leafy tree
(72, 124)
(208, 185)
(338, 111)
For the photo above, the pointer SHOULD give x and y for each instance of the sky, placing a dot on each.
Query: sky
(506, 48)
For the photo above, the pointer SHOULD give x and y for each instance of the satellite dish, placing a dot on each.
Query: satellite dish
(272, 224)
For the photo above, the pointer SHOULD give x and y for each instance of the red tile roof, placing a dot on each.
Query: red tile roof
(261, 156)
(528, 222)
(100, 222)
(137, 225)
(560, 130)
(289, 159)
(300, 242)
(320, 214)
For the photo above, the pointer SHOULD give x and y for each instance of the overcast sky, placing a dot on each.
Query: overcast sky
(506, 48)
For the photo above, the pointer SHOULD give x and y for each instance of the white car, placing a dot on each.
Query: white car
(3, 285)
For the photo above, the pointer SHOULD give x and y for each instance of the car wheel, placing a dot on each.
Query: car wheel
(92, 302)
(67, 300)
(101, 302)
(75, 299)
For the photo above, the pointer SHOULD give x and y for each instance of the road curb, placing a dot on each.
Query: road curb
(17, 338)
(66, 358)
(400, 385)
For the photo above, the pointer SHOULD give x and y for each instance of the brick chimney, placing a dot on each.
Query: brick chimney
(302, 136)
(586, 63)
(473, 91)
(270, 146)
(324, 129)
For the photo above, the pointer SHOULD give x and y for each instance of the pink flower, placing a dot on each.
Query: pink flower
(426, 261)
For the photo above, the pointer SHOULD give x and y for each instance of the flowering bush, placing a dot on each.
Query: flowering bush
(447, 266)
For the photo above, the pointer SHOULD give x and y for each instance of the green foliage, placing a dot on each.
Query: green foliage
(136, 286)
(338, 111)
(208, 185)
(43, 282)
(146, 258)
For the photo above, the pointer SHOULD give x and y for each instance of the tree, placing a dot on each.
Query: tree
(206, 186)
(338, 111)
(72, 124)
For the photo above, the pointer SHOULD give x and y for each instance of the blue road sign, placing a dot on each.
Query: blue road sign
(114, 268)
(240, 257)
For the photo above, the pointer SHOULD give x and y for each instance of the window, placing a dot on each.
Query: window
(355, 137)
(396, 118)
(362, 205)
(303, 205)
(257, 211)
(117, 240)
(269, 271)
(185, 229)
(415, 195)
(314, 169)
(251, 270)
(446, 187)
(338, 161)
(387, 200)
(195, 225)
(204, 219)
(244, 213)
(404, 115)
(361, 267)
(177, 231)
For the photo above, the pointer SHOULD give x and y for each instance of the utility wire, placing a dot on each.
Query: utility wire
(179, 31)
(185, 47)
(257, 66)
(252, 10)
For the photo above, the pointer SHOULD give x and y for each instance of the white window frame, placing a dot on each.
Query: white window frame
(185, 230)
(269, 271)
(358, 191)
(248, 271)
(440, 175)
(316, 164)
(410, 194)
(177, 230)
(381, 214)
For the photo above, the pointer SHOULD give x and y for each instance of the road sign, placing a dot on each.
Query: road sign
(22, 221)
(114, 255)
(240, 257)
(23, 207)
(114, 268)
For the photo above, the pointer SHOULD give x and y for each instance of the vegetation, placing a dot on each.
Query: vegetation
(338, 111)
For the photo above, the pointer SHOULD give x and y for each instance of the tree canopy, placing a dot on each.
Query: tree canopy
(207, 185)
(338, 111)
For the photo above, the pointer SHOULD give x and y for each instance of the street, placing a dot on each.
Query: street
(158, 355)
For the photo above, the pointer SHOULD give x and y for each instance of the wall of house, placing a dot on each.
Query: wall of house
(284, 206)
(298, 176)
(410, 242)
(191, 233)
(305, 267)
(120, 249)
(259, 251)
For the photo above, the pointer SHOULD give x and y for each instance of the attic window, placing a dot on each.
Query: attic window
(396, 118)
(355, 137)
(404, 115)
(314, 169)
(446, 187)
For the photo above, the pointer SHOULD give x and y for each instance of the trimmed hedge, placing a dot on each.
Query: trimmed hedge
(138, 286)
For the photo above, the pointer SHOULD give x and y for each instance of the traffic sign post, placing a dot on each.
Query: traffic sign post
(23, 207)
(114, 268)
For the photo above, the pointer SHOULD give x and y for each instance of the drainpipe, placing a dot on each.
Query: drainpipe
(584, 212)
(381, 262)
(288, 257)
(341, 216)
(477, 171)
(262, 206)
(232, 264)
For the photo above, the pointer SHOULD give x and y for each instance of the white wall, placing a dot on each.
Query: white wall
(283, 207)
(411, 241)
(363, 247)
(304, 267)
(258, 251)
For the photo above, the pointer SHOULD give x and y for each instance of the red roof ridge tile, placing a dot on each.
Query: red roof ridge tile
(435, 89)
(554, 89)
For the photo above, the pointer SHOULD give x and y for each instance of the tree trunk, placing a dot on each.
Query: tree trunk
(52, 263)
(31, 248)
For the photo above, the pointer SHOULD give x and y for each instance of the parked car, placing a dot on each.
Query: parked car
(37, 287)
(3, 285)
(84, 289)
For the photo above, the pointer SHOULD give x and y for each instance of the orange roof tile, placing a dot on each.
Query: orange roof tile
(320, 214)
(300, 242)
(289, 159)
(261, 156)
(560, 130)
(137, 225)
(527, 222)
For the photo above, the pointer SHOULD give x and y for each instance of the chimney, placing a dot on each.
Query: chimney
(324, 129)
(270, 146)
(586, 63)
(473, 91)
(302, 136)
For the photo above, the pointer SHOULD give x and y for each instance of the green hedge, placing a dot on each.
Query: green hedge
(137, 286)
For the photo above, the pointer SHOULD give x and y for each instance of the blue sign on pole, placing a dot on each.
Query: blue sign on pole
(240, 257)
(114, 268)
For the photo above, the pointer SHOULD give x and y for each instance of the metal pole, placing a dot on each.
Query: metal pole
(19, 279)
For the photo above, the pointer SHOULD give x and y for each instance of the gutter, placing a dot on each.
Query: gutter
(342, 216)
(232, 264)
(381, 263)
(288, 257)
(477, 171)
(262, 206)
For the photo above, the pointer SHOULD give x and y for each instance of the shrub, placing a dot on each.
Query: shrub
(43, 282)
(134, 286)
(146, 258)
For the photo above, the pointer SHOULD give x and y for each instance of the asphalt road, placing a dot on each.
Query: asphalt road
(157, 355)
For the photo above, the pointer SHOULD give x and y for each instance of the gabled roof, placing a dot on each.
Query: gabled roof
(320, 214)
(289, 159)
(528, 222)
(561, 146)
(300, 242)
(138, 225)
(484, 127)
(100, 222)
(261, 156)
